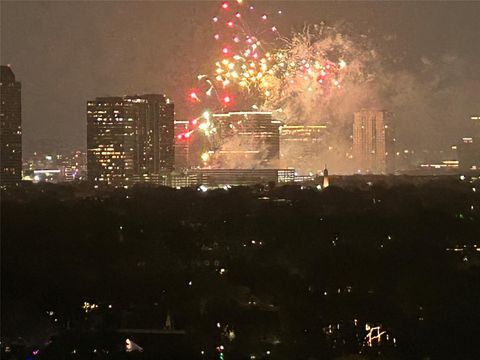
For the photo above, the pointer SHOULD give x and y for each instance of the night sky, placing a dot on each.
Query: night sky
(67, 52)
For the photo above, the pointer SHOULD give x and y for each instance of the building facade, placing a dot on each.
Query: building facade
(247, 139)
(373, 142)
(129, 138)
(182, 145)
(302, 146)
(242, 177)
(11, 128)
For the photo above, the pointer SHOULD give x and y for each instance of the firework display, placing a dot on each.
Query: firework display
(258, 65)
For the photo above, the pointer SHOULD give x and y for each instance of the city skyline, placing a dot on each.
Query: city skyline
(239, 180)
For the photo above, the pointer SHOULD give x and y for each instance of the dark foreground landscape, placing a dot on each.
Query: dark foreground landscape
(385, 269)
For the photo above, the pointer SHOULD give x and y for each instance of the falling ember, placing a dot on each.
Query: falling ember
(238, 15)
(264, 17)
(216, 36)
(205, 156)
(230, 24)
(194, 96)
(225, 5)
(227, 99)
(225, 50)
(215, 19)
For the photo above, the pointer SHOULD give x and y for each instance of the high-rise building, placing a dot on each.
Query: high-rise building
(247, 138)
(11, 128)
(182, 145)
(129, 137)
(155, 133)
(373, 142)
(301, 146)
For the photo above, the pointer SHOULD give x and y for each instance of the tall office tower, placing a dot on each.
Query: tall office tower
(247, 139)
(182, 145)
(373, 142)
(111, 140)
(155, 133)
(11, 128)
(129, 138)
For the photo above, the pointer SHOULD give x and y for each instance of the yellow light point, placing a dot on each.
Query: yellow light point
(251, 72)
(226, 82)
(240, 1)
(217, 64)
(342, 64)
(219, 78)
(206, 115)
(219, 71)
(267, 93)
(205, 156)
(252, 64)
(225, 61)
(231, 66)
(243, 83)
(259, 75)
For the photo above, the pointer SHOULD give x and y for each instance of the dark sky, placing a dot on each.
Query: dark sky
(66, 52)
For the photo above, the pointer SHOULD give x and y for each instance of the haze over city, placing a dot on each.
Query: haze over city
(147, 47)
(239, 180)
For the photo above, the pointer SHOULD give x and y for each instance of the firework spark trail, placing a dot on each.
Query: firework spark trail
(293, 74)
